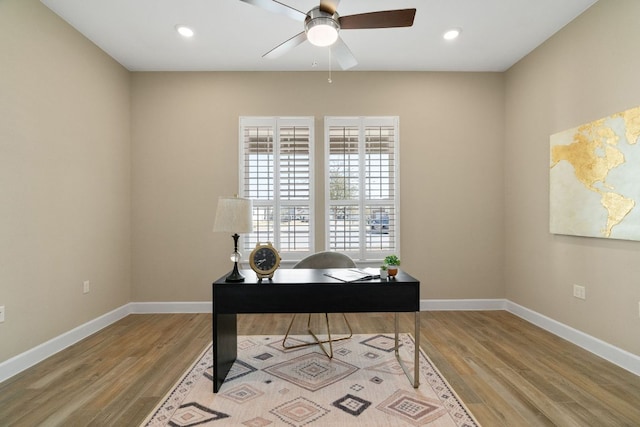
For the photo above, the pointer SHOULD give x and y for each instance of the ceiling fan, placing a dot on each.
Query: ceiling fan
(322, 24)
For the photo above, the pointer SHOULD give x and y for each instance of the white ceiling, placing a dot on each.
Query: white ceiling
(232, 35)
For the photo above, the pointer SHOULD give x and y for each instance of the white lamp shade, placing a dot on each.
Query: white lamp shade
(234, 215)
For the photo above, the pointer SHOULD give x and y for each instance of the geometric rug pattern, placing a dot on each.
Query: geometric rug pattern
(363, 385)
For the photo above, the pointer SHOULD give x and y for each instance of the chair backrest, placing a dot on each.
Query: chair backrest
(326, 259)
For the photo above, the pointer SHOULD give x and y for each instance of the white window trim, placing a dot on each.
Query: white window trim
(361, 122)
(276, 123)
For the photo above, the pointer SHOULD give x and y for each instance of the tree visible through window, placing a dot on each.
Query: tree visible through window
(363, 188)
(361, 213)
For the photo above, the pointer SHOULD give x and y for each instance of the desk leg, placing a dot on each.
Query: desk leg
(415, 379)
(225, 347)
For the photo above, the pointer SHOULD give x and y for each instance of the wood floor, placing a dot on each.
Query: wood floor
(508, 372)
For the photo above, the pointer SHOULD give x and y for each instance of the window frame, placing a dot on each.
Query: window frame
(279, 205)
(363, 254)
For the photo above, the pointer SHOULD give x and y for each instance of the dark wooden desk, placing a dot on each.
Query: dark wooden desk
(306, 291)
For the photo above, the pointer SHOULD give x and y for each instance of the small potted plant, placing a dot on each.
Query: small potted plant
(383, 272)
(392, 262)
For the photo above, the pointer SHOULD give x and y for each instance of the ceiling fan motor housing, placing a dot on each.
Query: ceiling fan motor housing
(321, 27)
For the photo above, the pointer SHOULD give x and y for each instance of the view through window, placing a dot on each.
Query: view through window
(276, 173)
(362, 186)
(361, 215)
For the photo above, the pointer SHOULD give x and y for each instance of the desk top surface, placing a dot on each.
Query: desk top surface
(314, 276)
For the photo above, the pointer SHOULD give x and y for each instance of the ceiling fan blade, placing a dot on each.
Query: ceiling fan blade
(329, 6)
(277, 7)
(343, 54)
(381, 19)
(285, 47)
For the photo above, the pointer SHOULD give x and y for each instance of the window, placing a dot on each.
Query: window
(276, 172)
(362, 186)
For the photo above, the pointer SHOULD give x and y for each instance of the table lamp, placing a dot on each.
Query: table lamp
(234, 215)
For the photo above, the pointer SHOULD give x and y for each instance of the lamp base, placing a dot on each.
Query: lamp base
(235, 275)
(234, 278)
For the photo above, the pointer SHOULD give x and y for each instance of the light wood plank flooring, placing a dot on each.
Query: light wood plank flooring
(507, 371)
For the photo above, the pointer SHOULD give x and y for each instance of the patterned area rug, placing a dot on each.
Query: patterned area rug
(363, 385)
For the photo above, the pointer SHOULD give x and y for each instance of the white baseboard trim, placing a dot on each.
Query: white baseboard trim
(462, 304)
(37, 354)
(25, 360)
(613, 354)
(622, 358)
(171, 307)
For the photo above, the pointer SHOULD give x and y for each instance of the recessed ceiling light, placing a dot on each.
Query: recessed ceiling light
(452, 34)
(184, 31)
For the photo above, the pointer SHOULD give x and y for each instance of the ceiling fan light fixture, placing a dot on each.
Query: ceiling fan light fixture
(322, 32)
(321, 28)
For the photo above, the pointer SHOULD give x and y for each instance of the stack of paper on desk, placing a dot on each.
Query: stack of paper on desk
(353, 274)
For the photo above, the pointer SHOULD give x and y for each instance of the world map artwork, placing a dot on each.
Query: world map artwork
(595, 178)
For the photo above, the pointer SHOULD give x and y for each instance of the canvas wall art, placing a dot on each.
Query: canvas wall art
(595, 178)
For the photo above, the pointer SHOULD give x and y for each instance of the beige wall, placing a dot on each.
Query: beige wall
(64, 178)
(77, 204)
(185, 155)
(587, 71)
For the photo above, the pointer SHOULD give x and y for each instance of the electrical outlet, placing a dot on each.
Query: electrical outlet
(579, 292)
(86, 287)
(1, 313)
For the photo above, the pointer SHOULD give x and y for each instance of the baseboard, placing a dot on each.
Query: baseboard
(171, 307)
(462, 304)
(613, 354)
(622, 358)
(25, 360)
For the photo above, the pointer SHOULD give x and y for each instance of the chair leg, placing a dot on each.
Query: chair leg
(329, 353)
(318, 341)
(288, 330)
(336, 339)
(329, 339)
(304, 344)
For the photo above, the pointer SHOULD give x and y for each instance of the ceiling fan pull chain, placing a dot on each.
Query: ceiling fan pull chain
(330, 81)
